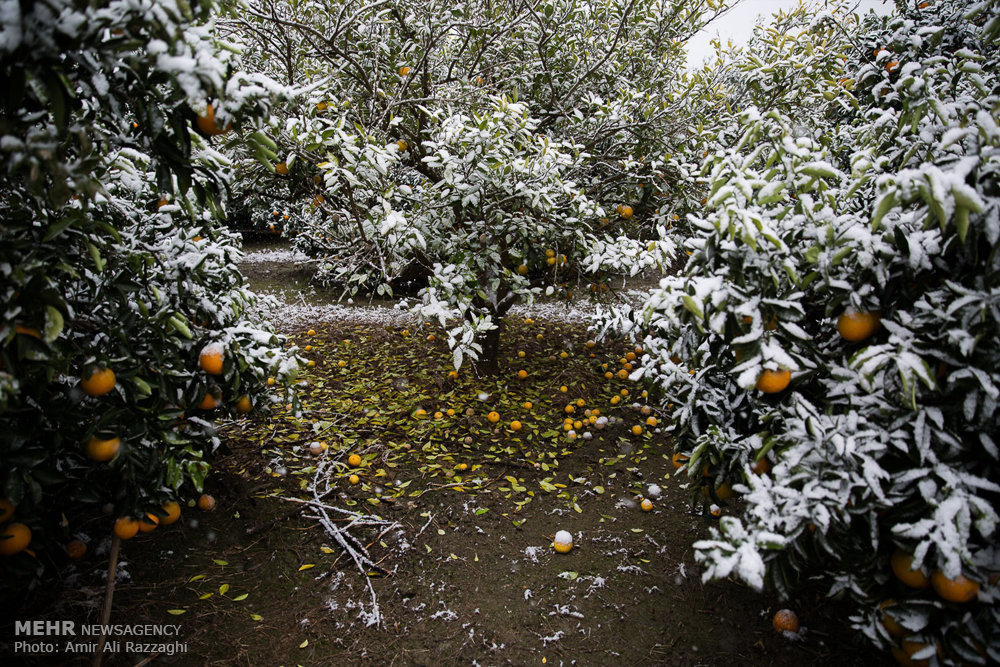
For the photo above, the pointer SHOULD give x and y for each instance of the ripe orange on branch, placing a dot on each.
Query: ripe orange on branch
(14, 539)
(211, 358)
(771, 382)
(902, 566)
(855, 326)
(99, 449)
(959, 589)
(126, 528)
(207, 123)
(173, 510)
(97, 381)
(6, 509)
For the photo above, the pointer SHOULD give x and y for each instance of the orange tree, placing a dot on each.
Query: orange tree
(482, 153)
(115, 275)
(830, 350)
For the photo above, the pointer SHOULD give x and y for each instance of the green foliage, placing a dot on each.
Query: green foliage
(867, 184)
(111, 258)
(465, 139)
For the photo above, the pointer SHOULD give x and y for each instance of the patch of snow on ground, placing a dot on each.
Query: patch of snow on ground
(275, 255)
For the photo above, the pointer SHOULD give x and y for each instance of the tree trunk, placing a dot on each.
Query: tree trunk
(489, 359)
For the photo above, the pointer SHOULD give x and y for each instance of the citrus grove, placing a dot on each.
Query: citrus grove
(820, 209)
(473, 155)
(126, 328)
(829, 349)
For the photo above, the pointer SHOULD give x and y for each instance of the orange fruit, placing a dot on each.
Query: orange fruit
(97, 381)
(311, 332)
(564, 389)
(515, 425)
(6, 509)
(570, 409)
(623, 374)
(206, 503)
(761, 467)
(902, 564)
(126, 527)
(402, 145)
(404, 70)
(959, 589)
(207, 124)
(76, 549)
(626, 212)
(212, 399)
(891, 626)
(723, 492)
(630, 356)
(353, 479)
(148, 522)
(646, 504)
(161, 202)
(354, 460)
(14, 538)
(651, 421)
(528, 405)
(493, 416)
(211, 358)
(281, 168)
(854, 326)
(420, 414)
(785, 621)
(678, 460)
(522, 374)
(243, 404)
(609, 375)
(102, 450)
(615, 400)
(636, 430)
(173, 510)
(771, 382)
(891, 65)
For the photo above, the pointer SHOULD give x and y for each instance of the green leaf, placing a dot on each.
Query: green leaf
(223, 589)
(176, 612)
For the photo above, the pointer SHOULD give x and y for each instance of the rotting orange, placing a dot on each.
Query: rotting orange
(785, 620)
(76, 549)
(14, 538)
(206, 503)
(97, 381)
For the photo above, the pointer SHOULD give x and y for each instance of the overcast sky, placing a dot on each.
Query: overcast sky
(737, 25)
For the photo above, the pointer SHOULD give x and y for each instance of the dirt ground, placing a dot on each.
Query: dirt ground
(463, 571)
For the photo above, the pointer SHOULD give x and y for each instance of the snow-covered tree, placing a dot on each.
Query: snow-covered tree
(476, 150)
(830, 349)
(116, 276)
